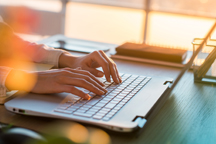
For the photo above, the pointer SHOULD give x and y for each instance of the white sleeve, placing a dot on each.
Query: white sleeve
(52, 56)
(47, 55)
(4, 71)
(44, 54)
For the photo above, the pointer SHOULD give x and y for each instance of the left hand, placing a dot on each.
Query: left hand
(90, 62)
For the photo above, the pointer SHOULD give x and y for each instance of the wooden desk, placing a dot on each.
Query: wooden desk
(188, 116)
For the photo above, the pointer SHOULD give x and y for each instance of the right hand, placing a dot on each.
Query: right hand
(60, 80)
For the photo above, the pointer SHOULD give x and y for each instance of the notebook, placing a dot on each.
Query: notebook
(126, 107)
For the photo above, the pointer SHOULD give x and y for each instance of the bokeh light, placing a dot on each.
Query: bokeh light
(99, 137)
(77, 133)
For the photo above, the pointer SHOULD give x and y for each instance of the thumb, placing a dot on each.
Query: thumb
(95, 72)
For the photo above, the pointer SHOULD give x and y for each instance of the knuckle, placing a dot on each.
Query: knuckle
(80, 93)
(73, 88)
(87, 73)
(106, 63)
(96, 52)
(100, 51)
(83, 81)
(113, 64)
(65, 71)
(87, 78)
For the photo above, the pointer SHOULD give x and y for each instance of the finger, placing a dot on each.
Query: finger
(119, 77)
(113, 68)
(95, 72)
(75, 91)
(103, 63)
(84, 84)
(85, 73)
(90, 80)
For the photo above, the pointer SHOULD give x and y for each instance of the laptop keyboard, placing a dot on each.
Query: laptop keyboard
(106, 106)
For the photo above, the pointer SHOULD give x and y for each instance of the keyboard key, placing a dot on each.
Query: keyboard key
(61, 107)
(127, 98)
(110, 105)
(84, 108)
(98, 98)
(59, 110)
(77, 104)
(67, 112)
(109, 115)
(87, 106)
(65, 105)
(122, 95)
(81, 111)
(92, 102)
(91, 112)
(117, 107)
(107, 99)
(124, 101)
(115, 102)
(106, 118)
(110, 96)
(117, 99)
(83, 114)
(99, 105)
(95, 108)
(103, 111)
(100, 114)
(114, 110)
(104, 101)
(97, 117)
(69, 109)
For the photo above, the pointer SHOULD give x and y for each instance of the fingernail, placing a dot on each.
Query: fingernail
(87, 96)
(102, 92)
(120, 79)
(105, 91)
(100, 74)
(109, 80)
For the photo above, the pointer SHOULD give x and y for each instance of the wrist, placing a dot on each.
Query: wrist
(66, 60)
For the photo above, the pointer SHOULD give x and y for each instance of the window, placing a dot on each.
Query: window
(171, 23)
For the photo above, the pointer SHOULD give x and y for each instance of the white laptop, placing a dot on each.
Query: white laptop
(125, 108)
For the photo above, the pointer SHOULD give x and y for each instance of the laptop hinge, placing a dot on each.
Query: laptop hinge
(141, 121)
(168, 83)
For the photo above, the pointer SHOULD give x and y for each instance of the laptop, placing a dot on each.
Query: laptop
(126, 107)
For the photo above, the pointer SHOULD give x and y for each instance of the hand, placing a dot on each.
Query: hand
(90, 62)
(55, 81)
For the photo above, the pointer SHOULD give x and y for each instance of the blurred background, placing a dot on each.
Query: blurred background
(170, 23)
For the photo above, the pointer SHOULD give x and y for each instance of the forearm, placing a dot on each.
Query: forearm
(4, 71)
(14, 47)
